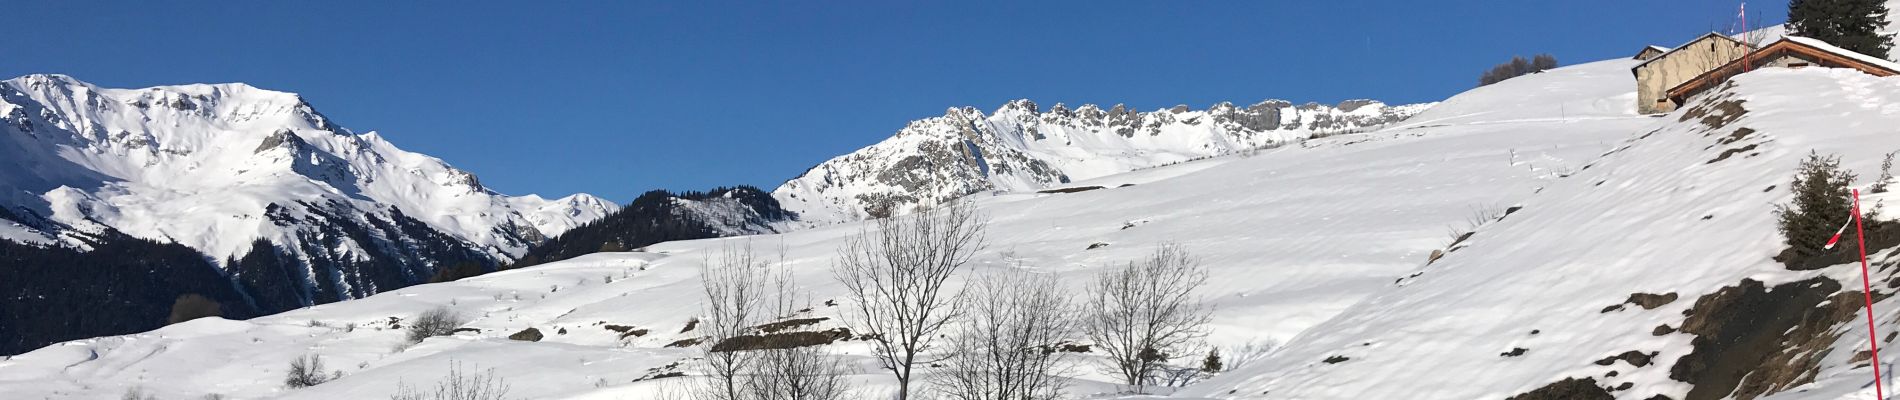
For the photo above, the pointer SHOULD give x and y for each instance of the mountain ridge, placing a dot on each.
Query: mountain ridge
(1021, 147)
(281, 204)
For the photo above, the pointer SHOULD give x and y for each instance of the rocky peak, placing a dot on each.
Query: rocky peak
(1354, 105)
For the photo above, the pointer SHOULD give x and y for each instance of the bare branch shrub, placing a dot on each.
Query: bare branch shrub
(1886, 174)
(439, 321)
(1245, 353)
(895, 273)
(459, 385)
(137, 393)
(1006, 346)
(1145, 313)
(305, 372)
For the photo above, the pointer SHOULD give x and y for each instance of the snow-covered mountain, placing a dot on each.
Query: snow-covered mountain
(201, 164)
(555, 217)
(1022, 147)
(293, 208)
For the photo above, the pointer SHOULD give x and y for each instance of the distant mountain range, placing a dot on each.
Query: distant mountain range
(263, 204)
(1023, 147)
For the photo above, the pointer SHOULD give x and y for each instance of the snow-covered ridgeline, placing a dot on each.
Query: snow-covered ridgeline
(1024, 147)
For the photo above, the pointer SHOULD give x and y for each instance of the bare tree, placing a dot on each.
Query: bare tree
(736, 293)
(797, 373)
(1006, 346)
(895, 275)
(1145, 313)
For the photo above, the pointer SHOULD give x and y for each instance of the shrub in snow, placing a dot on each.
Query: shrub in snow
(459, 385)
(1517, 67)
(1886, 175)
(305, 372)
(439, 321)
(137, 393)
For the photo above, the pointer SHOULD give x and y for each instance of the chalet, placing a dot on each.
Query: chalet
(1650, 52)
(1668, 69)
(1789, 52)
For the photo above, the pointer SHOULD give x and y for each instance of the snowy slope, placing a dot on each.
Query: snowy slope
(1297, 234)
(1021, 147)
(1667, 213)
(202, 164)
(1320, 247)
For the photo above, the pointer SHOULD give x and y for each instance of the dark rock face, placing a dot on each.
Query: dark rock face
(1634, 358)
(1753, 340)
(782, 340)
(400, 252)
(1351, 105)
(1568, 389)
(527, 335)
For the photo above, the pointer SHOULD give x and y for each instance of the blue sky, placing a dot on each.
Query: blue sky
(619, 98)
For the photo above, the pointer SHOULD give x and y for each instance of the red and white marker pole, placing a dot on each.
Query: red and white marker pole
(1867, 289)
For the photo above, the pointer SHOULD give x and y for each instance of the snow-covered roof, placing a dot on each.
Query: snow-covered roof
(1786, 44)
(1650, 48)
(1857, 56)
(1686, 45)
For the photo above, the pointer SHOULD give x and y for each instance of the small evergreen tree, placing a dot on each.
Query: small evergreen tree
(1851, 24)
(1212, 363)
(1821, 203)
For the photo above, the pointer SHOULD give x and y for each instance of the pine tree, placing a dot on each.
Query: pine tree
(1851, 24)
(1821, 203)
(1212, 363)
